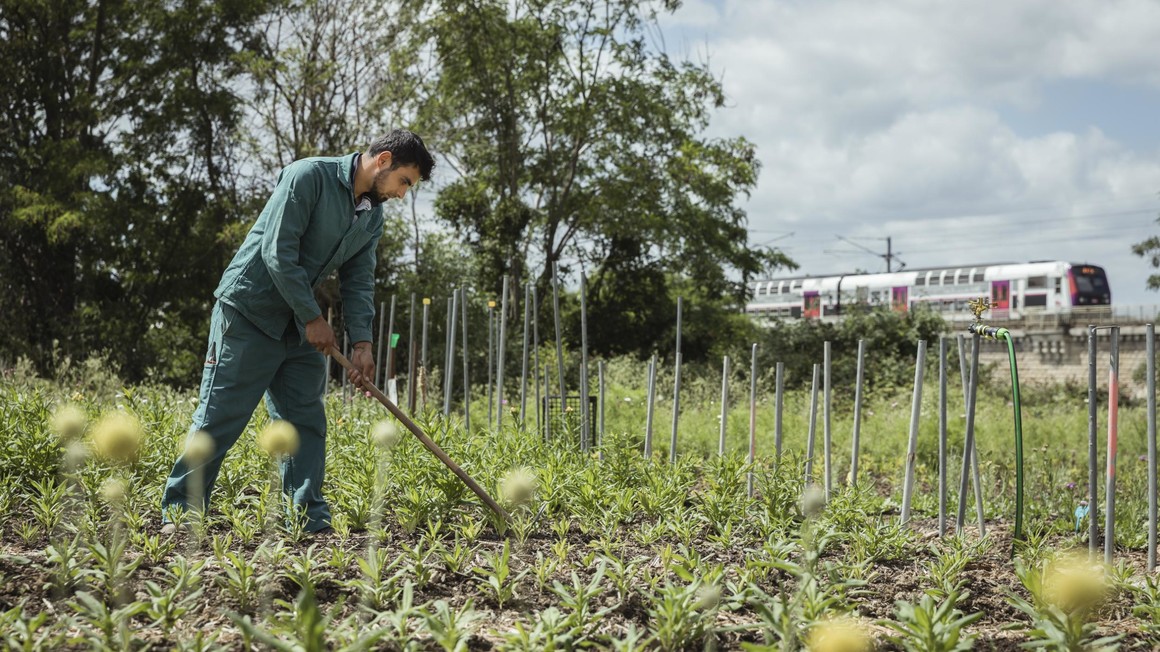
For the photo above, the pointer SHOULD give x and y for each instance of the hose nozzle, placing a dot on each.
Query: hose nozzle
(989, 332)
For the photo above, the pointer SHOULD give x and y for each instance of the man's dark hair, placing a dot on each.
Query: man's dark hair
(406, 149)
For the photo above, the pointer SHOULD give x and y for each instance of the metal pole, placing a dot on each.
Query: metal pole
(978, 483)
(600, 429)
(915, 414)
(536, 352)
(652, 395)
(423, 353)
(724, 404)
(1093, 472)
(466, 368)
(778, 405)
(676, 388)
(379, 352)
(524, 366)
(490, 347)
(450, 386)
(585, 416)
(813, 427)
(1113, 431)
(559, 338)
(1150, 347)
(412, 361)
(329, 322)
(345, 353)
(752, 417)
(826, 419)
(942, 435)
(390, 349)
(502, 357)
(857, 414)
(969, 442)
(547, 406)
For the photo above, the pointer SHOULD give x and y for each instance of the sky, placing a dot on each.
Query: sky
(967, 131)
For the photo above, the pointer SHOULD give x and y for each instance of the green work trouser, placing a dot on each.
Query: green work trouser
(242, 364)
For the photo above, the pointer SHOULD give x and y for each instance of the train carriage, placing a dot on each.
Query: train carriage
(1016, 290)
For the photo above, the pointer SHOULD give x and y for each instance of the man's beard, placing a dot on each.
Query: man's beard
(373, 194)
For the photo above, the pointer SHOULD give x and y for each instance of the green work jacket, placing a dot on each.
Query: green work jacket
(307, 230)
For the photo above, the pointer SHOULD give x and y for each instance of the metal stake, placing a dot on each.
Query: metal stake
(942, 436)
(585, 416)
(752, 417)
(857, 414)
(826, 419)
(1150, 346)
(778, 405)
(652, 396)
(915, 414)
(813, 427)
(724, 405)
(969, 442)
(502, 348)
(1093, 472)
(524, 366)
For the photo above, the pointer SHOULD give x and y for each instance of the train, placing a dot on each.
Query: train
(1015, 290)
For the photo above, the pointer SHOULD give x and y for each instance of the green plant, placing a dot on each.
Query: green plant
(931, 626)
(1061, 606)
(497, 575)
(448, 626)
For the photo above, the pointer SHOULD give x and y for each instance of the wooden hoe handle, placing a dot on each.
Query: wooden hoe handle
(426, 441)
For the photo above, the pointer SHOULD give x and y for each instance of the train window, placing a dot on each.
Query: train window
(977, 278)
(921, 280)
(936, 280)
(1037, 282)
(961, 278)
(1058, 284)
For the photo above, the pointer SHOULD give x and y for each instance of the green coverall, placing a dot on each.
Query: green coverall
(257, 343)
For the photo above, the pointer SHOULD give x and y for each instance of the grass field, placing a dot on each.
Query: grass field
(620, 552)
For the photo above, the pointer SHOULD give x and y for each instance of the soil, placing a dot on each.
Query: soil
(24, 576)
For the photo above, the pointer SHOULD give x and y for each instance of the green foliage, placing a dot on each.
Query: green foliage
(574, 139)
(1149, 249)
(119, 176)
(889, 340)
(931, 626)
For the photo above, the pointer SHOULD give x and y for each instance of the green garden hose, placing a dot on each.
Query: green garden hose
(997, 333)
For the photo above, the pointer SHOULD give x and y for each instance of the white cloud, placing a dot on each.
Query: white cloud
(886, 117)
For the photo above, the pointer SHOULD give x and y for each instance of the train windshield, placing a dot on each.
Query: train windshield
(1091, 285)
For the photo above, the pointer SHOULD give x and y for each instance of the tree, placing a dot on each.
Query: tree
(1150, 249)
(118, 174)
(573, 139)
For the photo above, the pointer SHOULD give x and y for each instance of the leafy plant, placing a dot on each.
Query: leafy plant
(932, 626)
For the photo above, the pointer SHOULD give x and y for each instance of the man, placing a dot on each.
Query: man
(267, 333)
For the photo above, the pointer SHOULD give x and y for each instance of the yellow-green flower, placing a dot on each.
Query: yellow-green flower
(279, 438)
(117, 436)
(518, 486)
(841, 634)
(386, 434)
(113, 490)
(68, 422)
(813, 501)
(1074, 583)
(199, 448)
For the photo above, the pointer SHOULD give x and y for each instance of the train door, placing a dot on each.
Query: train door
(899, 301)
(812, 304)
(1000, 298)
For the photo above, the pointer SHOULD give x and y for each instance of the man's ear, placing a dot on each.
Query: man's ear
(384, 159)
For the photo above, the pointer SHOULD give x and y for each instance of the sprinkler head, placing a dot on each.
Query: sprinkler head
(978, 307)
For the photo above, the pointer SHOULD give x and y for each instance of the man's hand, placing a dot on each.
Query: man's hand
(320, 335)
(364, 366)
